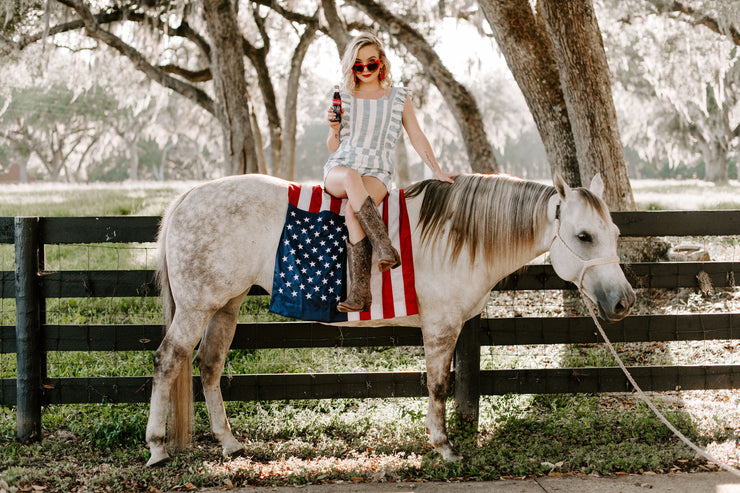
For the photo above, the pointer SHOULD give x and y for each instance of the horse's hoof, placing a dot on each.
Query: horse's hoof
(158, 459)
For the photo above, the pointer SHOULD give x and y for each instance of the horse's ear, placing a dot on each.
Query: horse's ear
(560, 185)
(597, 185)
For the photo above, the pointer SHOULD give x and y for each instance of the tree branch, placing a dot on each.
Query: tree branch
(191, 75)
(183, 30)
(336, 26)
(697, 18)
(94, 31)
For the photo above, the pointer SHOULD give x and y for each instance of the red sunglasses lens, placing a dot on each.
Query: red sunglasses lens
(371, 67)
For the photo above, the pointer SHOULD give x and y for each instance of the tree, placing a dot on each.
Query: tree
(523, 40)
(558, 59)
(57, 126)
(683, 117)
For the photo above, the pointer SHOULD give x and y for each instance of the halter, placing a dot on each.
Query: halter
(586, 264)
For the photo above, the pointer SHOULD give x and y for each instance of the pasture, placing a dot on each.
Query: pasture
(101, 447)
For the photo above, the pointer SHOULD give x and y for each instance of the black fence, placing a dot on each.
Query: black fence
(30, 284)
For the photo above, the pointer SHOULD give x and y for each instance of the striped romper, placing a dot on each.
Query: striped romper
(369, 130)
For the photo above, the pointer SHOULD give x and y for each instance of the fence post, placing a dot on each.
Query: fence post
(467, 377)
(28, 329)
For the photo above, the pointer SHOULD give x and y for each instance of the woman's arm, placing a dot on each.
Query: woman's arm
(420, 142)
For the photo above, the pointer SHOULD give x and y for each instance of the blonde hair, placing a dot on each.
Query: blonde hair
(349, 81)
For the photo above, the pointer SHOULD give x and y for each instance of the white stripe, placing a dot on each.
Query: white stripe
(325, 201)
(304, 199)
(394, 227)
(369, 121)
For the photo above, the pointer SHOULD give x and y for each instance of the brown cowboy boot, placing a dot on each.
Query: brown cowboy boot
(359, 257)
(373, 226)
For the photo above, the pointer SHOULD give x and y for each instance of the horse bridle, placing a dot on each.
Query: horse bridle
(586, 264)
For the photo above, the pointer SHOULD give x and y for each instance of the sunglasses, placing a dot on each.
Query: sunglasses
(359, 68)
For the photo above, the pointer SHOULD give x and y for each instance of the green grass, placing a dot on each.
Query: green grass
(101, 446)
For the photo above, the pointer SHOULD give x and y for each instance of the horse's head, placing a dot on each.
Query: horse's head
(584, 250)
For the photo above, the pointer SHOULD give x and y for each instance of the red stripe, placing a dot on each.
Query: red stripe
(335, 205)
(294, 193)
(407, 257)
(316, 196)
(387, 287)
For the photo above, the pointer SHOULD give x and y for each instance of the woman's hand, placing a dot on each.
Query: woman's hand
(448, 177)
(330, 116)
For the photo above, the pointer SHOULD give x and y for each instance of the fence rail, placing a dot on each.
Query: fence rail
(30, 338)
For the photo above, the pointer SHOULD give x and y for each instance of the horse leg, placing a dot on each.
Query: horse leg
(173, 353)
(438, 351)
(211, 357)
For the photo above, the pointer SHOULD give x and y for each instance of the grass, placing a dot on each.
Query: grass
(101, 447)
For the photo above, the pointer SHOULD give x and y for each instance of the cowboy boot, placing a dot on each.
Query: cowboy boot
(359, 257)
(373, 226)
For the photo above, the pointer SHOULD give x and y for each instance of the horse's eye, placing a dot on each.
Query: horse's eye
(585, 237)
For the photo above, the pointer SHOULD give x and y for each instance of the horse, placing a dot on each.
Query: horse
(219, 239)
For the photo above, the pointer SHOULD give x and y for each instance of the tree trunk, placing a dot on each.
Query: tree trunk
(461, 102)
(133, 150)
(523, 40)
(336, 26)
(258, 57)
(585, 80)
(286, 169)
(715, 162)
(258, 143)
(230, 86)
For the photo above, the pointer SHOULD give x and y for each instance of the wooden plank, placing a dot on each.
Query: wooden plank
(7, 339)
(245, 387)
(467, 376)
(597, 380)
(28, 330)
(399, 384)
(664, 275)
(669, 275)
(8, 392)
(125, 229)
(678, 223)
(493, 332)
(7, 284)
(104, 283)
(310, 334)
(98, 283)
(144, 228)
(7, 230)
(636, 328)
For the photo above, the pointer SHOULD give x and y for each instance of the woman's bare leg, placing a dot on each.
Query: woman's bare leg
(343, 182)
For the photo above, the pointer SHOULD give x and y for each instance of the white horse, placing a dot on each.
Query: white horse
(219, 239)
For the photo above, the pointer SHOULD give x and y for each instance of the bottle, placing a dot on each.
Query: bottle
(336, 105)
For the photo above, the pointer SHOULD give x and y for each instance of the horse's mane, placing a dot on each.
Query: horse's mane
(496, 215)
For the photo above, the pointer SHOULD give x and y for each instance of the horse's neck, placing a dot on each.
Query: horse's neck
(541, 245)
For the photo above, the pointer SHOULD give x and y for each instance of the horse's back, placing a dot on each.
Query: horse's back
(221, 237)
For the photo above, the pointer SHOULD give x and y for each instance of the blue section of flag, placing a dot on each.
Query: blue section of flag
(309, 276)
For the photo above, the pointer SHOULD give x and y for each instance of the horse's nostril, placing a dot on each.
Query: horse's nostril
(623, 306)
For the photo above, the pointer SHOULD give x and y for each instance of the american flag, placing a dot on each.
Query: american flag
(310, 279)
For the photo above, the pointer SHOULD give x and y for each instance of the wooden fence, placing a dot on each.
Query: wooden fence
(30, 284)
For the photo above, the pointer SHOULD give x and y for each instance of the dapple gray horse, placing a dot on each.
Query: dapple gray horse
(219, 239)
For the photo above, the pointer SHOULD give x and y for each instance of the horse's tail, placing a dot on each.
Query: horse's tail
(181, 415)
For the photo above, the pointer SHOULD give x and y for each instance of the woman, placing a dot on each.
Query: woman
(360, 167)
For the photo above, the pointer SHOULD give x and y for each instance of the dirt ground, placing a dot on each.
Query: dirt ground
(711, 482)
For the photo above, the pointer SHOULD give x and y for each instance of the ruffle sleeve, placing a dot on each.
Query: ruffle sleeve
(399, 95)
